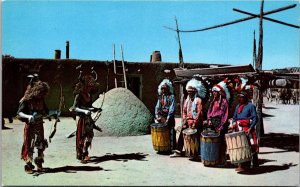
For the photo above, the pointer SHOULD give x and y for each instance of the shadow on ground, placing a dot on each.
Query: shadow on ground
(6, 128)
(287, 142)
(269, 107)
(118, 157)
(68, 169)
(164, 153)
(229, 165)
(271, 152)
(263, 161)
(267, 169)
(264, 115)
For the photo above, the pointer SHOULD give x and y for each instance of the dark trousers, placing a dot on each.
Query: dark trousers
(254, 160)
(173, 138)
(223, 146)
(171, 125)
(180, 142)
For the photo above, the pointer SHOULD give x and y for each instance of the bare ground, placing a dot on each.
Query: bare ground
(132, 160)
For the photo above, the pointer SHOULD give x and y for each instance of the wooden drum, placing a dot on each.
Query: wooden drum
(191, 143)
(210, 148)
(160, 137)
(238, 147)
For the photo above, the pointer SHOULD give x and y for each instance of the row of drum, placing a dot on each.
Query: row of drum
(209, 144)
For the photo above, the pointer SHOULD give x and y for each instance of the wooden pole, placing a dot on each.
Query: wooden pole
(236, 21)
(258, 90)
(269, 19)
(260, 42)
(124, 73)
(115, 69)
(254, 50)
(181, 95)
(181, 64)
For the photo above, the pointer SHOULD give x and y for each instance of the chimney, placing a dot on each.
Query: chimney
(155, 57)
(57, 54)
(67, 49)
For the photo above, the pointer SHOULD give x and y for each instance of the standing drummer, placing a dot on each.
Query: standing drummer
(218, 107)
(217, 115)
(164, 109)
(192, 114)
(244, 119)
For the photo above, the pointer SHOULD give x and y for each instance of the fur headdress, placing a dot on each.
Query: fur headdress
(168, 83)
(35, 89)
(85, 81)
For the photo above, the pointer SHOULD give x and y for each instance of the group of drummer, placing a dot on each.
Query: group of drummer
(244, 118)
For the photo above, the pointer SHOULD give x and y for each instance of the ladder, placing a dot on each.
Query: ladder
(119, 70)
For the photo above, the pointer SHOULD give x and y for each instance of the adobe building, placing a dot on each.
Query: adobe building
(142, 78)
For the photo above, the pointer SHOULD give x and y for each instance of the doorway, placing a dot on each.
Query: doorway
(134, 84)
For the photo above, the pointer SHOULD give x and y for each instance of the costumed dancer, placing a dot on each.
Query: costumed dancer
(82, 105)
(217, 115)
(244, 119)
(164, 109)
(192, 112)
(31, 110)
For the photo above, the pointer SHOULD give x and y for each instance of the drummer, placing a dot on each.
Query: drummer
(218, 107)
(217, 115)
(244, 119)
(192, 115)
(164, 109)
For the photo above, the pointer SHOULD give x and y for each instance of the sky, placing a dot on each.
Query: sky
(34, 29)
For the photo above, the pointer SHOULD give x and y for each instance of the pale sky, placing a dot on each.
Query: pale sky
(34, 29)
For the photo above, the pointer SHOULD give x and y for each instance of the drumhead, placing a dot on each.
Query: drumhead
(233, 134)
(189, 131)
(210, 134)
(158, 125)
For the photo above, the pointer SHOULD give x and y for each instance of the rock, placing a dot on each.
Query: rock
(123, 114)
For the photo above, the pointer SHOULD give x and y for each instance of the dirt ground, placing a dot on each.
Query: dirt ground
(132, 160)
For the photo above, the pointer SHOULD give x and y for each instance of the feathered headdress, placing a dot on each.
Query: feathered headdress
(168, 83)
(249, 87)
(222, 87)
(244, 81)
(198, 86)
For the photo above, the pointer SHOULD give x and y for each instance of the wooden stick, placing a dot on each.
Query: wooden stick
(266, 18)
(236, 21)
(180, 49)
